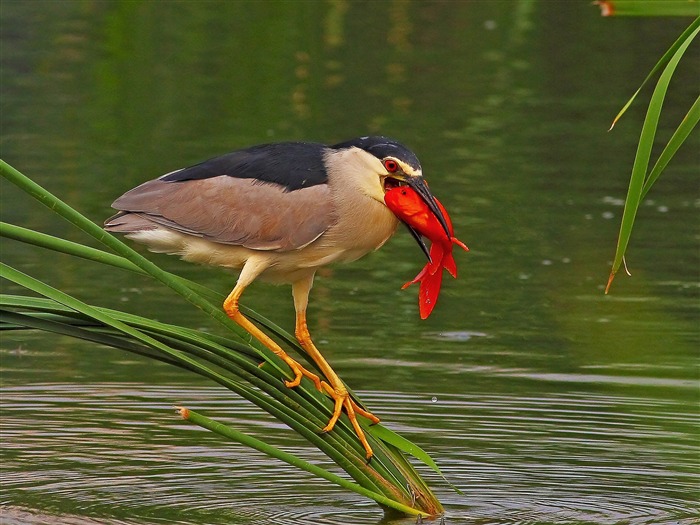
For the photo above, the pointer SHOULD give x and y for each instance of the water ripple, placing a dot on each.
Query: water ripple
(116, 454)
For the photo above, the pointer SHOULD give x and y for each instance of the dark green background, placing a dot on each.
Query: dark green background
(543, 399)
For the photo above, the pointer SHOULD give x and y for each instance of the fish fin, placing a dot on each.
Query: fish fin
(428, 293)
(450, 264)
(437, 253)
(418, 277)
(459, 243)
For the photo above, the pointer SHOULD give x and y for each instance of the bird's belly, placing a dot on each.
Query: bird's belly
(345, 241)
(191, 248)
(284, 267)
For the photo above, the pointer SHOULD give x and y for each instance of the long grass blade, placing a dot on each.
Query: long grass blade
(184, 339)
(217, 358)
(68, 327)
(659, 65)
(25, 235)
(643, 155)
(287, 405)
(71, 330)
(675, 142)
(61, 245)
(11, 274)
(71, 215)
(261, 446)
(18, 233)
(400, 442)
(649, 7)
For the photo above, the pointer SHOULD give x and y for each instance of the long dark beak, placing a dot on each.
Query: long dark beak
(421, 188)
(419, 240)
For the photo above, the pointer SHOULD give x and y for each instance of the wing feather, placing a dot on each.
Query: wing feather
(230, 210)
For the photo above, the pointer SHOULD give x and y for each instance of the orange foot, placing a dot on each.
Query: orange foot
(299, 372)
(343, 400)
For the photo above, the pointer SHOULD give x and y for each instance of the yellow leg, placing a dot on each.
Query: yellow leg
(335, 387)
(231, 309)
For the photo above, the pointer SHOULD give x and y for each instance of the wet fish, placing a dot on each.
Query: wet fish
(410, 208)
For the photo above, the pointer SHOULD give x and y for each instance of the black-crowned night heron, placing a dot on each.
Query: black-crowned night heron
(279, 212)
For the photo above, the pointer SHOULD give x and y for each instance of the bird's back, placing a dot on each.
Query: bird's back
(247, 198)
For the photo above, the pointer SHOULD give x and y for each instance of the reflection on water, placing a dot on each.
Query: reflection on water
(117, 452)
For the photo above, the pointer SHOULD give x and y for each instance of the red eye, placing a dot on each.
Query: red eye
(391, 165)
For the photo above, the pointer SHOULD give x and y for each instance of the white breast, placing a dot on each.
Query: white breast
(364, 222)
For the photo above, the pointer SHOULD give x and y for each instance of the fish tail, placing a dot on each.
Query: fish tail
(428, 293)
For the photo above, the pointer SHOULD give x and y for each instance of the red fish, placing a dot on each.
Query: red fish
(410, 208)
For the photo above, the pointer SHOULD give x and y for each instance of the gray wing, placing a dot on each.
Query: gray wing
(228, 210)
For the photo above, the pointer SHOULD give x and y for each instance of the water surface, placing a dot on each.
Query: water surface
(544, 400)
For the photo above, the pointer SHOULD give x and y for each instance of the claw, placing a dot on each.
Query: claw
(299, 372)
(343, 400)
(334, 387)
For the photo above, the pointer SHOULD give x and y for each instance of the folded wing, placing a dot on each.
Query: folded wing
(229, 210)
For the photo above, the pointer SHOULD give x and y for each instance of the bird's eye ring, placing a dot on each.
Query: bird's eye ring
(391, 165)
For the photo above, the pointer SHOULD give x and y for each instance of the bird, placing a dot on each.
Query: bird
(278, 212)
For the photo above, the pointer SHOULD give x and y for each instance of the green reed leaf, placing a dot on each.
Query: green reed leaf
(658, 66)
(230, 433)
(675, 142)
(232, 364)
(649, 7)
(643, 155)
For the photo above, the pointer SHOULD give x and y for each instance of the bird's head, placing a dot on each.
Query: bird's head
(393, 164)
